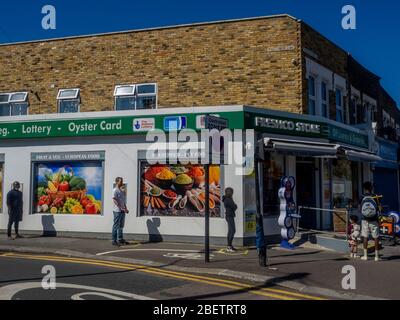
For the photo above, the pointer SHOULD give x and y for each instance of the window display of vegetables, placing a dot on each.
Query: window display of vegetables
(77, 183)
(64, 192)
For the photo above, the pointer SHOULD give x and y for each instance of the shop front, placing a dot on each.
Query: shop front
(330, 161)
(386, 174)
(67, 167)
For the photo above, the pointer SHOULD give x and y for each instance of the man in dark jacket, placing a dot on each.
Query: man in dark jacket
(15, 205)
(230, 208)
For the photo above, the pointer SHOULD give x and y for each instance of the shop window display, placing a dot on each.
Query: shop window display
(178, 190)
(344, 184)
(68, 188)
(273, 171)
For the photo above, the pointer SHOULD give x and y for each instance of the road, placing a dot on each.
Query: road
(91, 279)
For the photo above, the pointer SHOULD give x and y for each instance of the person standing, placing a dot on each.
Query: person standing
(119, 211)
(230, 213)
(15, 209)
(370, 223)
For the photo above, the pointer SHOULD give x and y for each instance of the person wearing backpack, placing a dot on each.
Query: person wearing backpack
(370, 224)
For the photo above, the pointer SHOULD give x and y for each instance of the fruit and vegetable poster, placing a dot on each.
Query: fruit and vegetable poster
(178, 190)
(68, 188)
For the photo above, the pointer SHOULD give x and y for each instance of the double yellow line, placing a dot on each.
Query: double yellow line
(267, 292)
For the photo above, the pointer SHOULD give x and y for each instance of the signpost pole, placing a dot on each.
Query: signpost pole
(210, 122)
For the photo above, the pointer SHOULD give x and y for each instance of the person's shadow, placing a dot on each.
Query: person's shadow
(48, 226)
(152, 227)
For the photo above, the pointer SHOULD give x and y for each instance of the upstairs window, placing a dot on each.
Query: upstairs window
(14, 104)
(68, 100)
(146, 96)
(339, 105)
(324, 99)
(311, 95)
(136, 96)
(125, 97)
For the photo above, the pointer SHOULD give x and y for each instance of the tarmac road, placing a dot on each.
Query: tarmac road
(87, 279)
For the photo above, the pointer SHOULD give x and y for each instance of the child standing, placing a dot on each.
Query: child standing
(354, 236)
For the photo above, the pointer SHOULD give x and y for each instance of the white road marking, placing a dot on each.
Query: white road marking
(8, 292)
(162, 250)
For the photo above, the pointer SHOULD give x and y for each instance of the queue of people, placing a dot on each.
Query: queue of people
(368, 208)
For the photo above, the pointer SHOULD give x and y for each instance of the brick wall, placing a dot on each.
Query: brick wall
(244, 62)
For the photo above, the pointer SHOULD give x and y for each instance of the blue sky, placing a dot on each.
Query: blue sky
(375, 43)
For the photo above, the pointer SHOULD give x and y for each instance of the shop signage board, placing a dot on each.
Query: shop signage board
(110, 126)
(305, 128)
(288, 126)
(217, 123)
(349, 137)
(68, 156)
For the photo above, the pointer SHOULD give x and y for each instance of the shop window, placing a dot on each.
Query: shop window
(68, 100)
(273, 171)
(68, 187)
(344, 184)
(136, 97)
(14, 104)
(311, 95)
(339, 105)
(324, 99)
(178, 190)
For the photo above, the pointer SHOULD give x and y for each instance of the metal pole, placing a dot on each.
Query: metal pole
(207, 214)
(260, 236)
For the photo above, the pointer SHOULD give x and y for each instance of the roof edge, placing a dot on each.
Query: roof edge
(195, 24)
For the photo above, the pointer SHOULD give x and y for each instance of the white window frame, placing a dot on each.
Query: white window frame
(15, 102)
(132, 86)
(76, 96)
(337, 107)
(310, 97)
(134, 93)
(322, 101)
(72, 98)
(155, 94)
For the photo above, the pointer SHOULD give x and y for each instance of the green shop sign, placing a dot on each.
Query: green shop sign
(127, 125)
(304, 128)
(286, 126)
(349, 137)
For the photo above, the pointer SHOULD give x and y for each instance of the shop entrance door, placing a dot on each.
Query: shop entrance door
(306, 193)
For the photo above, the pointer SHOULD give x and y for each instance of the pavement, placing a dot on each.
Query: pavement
(307, 269)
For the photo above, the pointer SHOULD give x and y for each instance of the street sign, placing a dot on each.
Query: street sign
(218, 123)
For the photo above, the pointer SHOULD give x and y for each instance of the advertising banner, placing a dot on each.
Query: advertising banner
(74, 187)
(178, 190)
